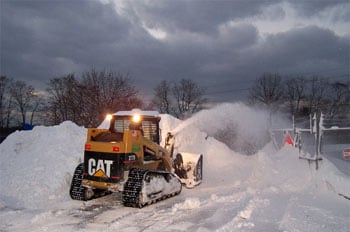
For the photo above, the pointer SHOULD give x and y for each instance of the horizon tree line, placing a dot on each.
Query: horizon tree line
(86, 100)
(301, 96)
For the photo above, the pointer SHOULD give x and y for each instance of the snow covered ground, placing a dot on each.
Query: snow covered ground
(271, 190)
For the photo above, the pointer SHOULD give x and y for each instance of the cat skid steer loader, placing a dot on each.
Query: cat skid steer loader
(128, 158)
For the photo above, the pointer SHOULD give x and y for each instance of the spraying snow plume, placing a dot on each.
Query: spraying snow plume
(240, 127)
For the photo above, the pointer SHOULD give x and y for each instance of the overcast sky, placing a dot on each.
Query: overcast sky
(222, 45)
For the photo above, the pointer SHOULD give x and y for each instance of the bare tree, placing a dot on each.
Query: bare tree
(340, 98)
(317, 94)
(5, 102)
(65, 100)
(34, 105)
(188, 96)
(106, 92)
(162, 98)
(24, 98)
(3, 83)
(87, 100)
(180, 98)
(295, 93)
(267, 89)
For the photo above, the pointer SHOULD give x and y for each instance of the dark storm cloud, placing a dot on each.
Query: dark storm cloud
(46, 37)
(301, 50)
(311, 8)
(214, 43)
(308, 43)
(195, 16)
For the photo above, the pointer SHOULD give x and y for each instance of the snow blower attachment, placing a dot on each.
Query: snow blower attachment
(188, 167)
(127, 157)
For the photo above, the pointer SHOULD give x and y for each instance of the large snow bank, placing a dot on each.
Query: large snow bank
(36, 166)
(282, 170)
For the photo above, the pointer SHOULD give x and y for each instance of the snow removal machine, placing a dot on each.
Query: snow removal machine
(128, 158)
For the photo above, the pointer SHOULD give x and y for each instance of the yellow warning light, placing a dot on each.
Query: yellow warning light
(109, 117)
(136, 118)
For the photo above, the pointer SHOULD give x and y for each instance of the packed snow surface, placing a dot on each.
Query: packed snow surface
(268, 190)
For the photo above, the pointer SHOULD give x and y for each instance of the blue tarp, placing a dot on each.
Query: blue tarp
(26, 126)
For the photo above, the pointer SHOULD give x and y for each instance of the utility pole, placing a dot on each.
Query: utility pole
(318, 136)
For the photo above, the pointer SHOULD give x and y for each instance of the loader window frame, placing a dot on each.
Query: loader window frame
(120, 124)
(151, 130)
(149, 124)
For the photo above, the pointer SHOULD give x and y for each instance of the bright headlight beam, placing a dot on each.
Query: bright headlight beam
(109, 117)
(136, 118)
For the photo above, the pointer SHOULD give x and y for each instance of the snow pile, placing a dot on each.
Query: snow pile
(36, 166)
(272, 190)
(283, 171)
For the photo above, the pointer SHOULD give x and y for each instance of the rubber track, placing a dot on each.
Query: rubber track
(77, 191)
(133, 188)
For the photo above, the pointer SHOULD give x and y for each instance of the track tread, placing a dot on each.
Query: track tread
(77, 191)
(132, 194)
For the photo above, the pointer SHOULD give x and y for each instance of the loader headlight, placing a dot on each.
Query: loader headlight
(109, 117)
(136, 118)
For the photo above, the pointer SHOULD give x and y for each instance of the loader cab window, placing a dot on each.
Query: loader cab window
(120, 125)
(150, 130)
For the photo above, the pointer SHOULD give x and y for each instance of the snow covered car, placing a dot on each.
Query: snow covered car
(346, 153)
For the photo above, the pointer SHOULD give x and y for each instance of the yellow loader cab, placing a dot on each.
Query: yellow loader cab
(126, 156)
